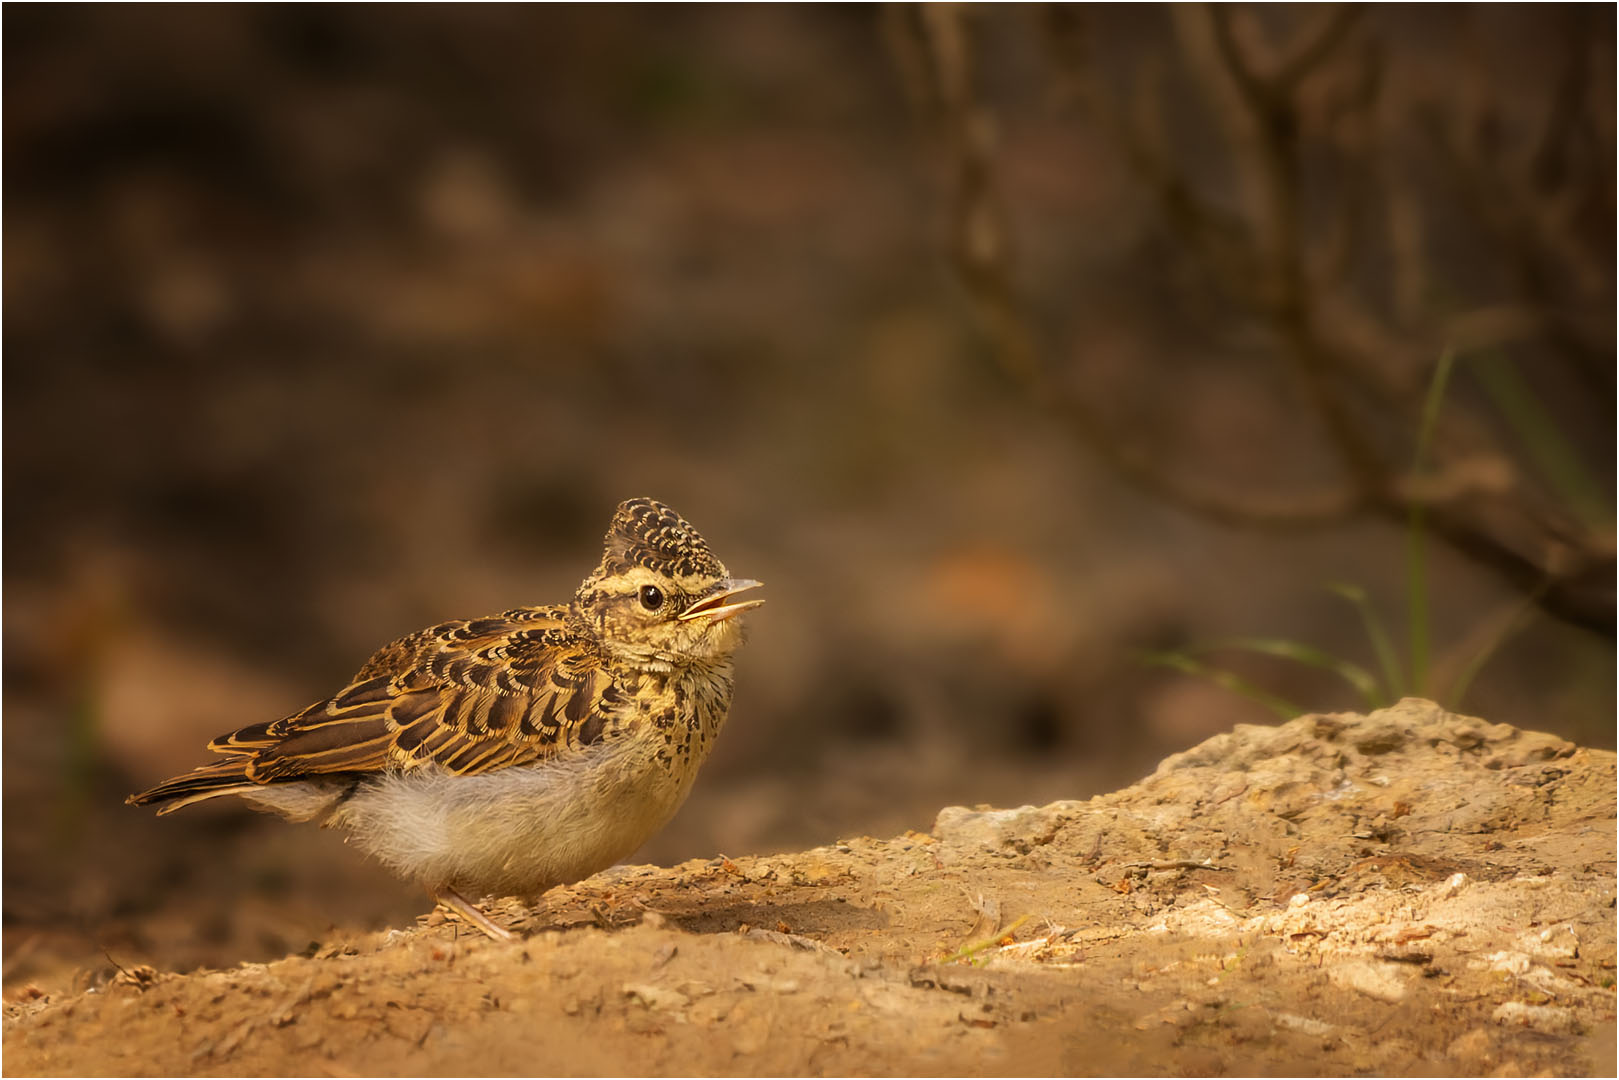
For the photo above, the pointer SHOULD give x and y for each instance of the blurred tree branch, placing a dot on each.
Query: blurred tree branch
(1359, 361)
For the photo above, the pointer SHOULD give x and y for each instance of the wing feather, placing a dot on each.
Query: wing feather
(470, 696)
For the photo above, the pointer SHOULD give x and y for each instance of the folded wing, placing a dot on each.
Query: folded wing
(469, 697)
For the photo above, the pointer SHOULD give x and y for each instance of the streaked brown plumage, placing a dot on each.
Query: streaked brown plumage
(512, 753)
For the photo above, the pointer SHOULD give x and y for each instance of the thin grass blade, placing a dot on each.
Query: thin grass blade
(1364, 682)
(1225, 680)
(1520, 617)
(1382, 643)
(1417, 630)
(1535, 427)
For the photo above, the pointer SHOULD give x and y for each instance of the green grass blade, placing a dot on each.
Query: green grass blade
(1225, 680)
(1416, 597)
(1388, 659)
(1537, 430)
(1364, 682)
(1519, 618)
(1416, 532)
(1431, 405)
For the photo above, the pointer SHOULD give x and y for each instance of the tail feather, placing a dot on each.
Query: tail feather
(295, 800)
(207, 782)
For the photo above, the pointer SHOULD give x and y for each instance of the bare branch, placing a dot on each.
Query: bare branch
(1268, 263)
(1315, 44)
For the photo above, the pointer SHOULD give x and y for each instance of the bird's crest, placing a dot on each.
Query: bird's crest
(646, 533)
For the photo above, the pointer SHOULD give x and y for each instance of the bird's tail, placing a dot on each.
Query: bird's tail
(207, 782)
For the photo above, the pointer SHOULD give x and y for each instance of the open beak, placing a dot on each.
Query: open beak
(714, 606)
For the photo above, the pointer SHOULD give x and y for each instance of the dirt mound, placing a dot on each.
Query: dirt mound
(1409, 892)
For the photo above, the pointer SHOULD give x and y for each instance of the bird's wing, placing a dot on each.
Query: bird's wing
(469, 696)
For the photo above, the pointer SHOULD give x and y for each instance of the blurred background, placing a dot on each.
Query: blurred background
(1012, 347)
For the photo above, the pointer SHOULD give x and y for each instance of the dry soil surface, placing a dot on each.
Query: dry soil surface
(1410, 892)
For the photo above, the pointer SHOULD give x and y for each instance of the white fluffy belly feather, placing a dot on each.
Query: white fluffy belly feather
(517, 831)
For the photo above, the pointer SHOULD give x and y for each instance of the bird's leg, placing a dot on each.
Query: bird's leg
(469, 913)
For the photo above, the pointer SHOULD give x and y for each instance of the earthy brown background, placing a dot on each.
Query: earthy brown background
(325, 324)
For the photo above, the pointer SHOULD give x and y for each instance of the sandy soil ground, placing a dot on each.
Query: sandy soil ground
(1411, 892)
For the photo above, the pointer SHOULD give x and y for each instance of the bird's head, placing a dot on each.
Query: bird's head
(659, 595)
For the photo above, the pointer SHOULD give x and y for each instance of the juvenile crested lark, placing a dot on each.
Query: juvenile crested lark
(510, 754)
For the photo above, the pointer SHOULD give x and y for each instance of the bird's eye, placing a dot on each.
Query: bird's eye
(651, 597)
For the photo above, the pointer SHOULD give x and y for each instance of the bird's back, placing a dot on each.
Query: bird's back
(465, 697)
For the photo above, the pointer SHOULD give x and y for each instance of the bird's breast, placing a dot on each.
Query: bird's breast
(684, 714)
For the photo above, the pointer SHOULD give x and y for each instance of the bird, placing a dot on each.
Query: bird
(506, 755)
